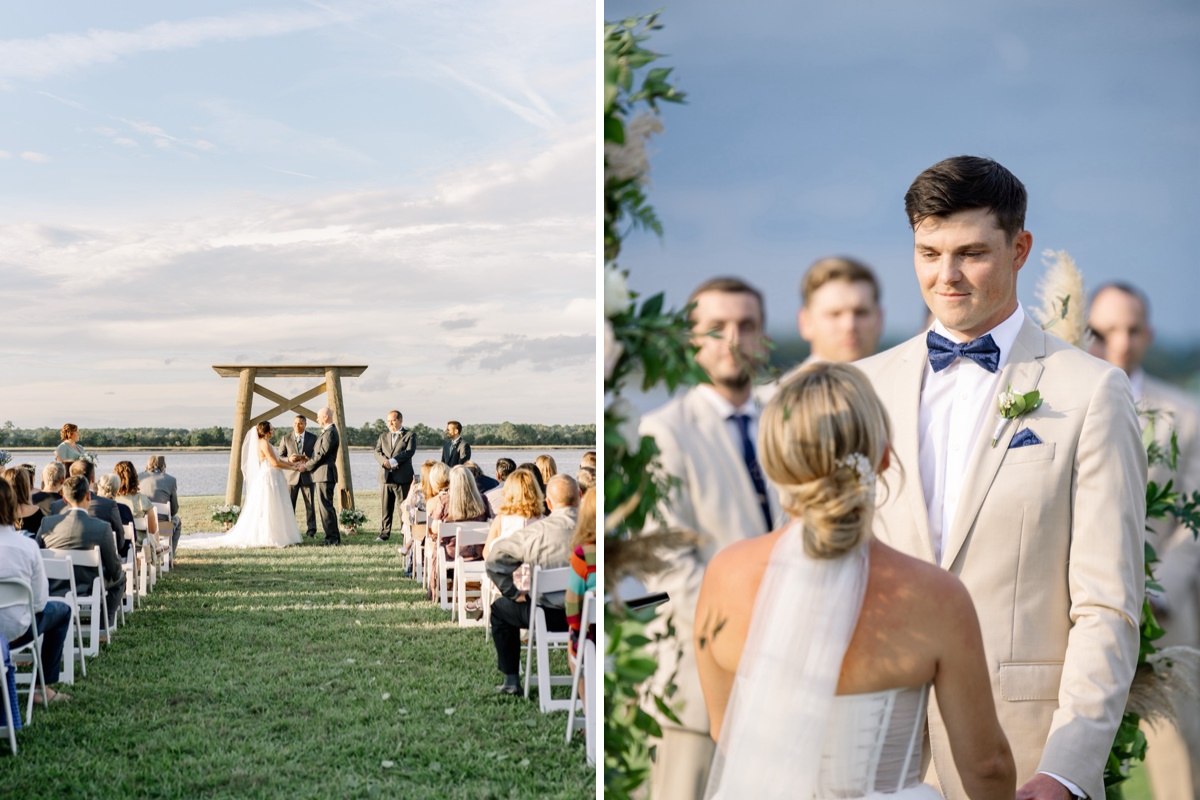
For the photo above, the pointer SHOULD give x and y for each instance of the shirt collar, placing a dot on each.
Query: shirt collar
(1004, 334)
(1137, 382)
(723, 407)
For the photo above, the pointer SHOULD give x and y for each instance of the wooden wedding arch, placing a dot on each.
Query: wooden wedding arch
(248, 375)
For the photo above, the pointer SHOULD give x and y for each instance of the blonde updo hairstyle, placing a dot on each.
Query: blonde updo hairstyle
(816, 420)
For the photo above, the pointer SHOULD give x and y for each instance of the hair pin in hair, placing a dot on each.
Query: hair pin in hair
(861, 467)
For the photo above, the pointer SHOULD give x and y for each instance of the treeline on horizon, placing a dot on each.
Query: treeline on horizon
(507, 434)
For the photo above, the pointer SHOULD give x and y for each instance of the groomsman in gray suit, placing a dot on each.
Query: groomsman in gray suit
(323, 468)
(456, 451)
(394, 451)
(298, 447)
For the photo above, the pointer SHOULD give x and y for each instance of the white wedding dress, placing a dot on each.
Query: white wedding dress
(267, 518)
(786, 735)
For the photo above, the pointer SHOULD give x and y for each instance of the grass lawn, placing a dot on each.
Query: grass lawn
(303, 672)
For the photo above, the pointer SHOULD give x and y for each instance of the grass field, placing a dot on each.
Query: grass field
(303, 672)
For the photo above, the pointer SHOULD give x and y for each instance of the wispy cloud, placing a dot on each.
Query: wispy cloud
(66, 52)
(36, 157)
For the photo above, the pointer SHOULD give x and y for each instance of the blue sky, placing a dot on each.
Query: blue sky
(806, 122)
(408, 185)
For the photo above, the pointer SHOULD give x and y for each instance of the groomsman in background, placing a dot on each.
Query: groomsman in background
(297, 448)
(455, 451)
(394, 452)
(706, 438)
(1120, 321)
(1040, 516)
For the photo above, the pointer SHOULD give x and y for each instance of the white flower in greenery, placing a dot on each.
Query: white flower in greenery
(612, 350)
(616, 292)
(628, 161)
(628, 421)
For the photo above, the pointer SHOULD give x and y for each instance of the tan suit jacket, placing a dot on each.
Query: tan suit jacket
(1048, 539)
(1178, 551)
(716, 499)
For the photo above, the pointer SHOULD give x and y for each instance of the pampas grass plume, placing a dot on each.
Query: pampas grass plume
(1061, 283)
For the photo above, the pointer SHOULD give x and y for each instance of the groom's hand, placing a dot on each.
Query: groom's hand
(1043, 787)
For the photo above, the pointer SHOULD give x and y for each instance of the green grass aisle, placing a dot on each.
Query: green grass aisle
(304, 672)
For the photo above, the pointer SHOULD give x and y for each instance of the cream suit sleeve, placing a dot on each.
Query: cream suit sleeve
(1105, 581)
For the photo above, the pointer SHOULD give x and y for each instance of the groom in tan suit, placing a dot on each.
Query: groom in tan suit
(1045, 527)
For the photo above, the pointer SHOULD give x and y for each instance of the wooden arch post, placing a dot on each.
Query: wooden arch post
(331, 387)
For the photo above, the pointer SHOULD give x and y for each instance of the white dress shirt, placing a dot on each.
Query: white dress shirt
(1137, 382)
(955, 404)
(20, 557)
(726, 410)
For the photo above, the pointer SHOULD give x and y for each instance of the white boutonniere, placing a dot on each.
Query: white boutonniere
(1011, 405)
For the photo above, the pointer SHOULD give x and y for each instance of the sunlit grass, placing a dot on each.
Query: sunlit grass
(295, 673)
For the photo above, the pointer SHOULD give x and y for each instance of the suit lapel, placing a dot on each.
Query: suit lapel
(1022, 372)
(711, 428)
(906, 425)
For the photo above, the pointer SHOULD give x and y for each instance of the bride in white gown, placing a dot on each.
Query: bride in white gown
(267, 518)
(817, 645)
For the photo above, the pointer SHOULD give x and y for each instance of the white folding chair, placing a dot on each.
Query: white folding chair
(10, 726)
(120, 617)
(138, 582)
(16, 592)
(468, 533)
(542, 640)
(591, 718)
(584, 671)
(166, 531)
(95, 602)
(61, 569)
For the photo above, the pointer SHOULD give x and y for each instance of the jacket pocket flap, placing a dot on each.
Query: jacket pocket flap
(1030, 680)
(1024, 455)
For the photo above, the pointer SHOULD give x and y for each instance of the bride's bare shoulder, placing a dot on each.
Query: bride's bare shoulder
(895, 573)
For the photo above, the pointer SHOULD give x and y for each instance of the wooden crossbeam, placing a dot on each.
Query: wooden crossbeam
(285, 404)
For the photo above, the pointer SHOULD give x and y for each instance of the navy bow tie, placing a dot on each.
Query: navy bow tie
(942, 352)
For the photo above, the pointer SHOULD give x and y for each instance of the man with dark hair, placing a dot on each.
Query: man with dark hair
(1120, 321)
(297, 448)
(76, 530)
(102, 508)
(394, 451)
(504, 468)
(545, 543)
(485, 483)
(160, 487)
(455, 451)
(706, 437)
(1041, 515)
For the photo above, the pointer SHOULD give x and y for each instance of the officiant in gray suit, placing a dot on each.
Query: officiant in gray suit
(297, 447)
(394, 452)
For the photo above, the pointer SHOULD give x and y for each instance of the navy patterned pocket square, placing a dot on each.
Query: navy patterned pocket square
(1024, 438)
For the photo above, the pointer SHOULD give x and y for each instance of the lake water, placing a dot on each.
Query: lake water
(205, 472)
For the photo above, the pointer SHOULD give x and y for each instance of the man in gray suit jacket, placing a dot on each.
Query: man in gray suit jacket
(160, 487)
(323, 468)
(101, 508)
(298, 447)
(394, 452)
(76, 530)
(456, 451)
(546, 543)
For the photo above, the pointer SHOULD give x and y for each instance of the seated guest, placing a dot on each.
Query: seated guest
(29, 516)
(588, 459)
(53, 475)
(439, 493)
(77, 530)
(463, 504)
(21, 558)
(504, 468)
(69, 450)
(485, 483)
(416, 502)
(129, 497)
(160, 487)
(583, 566)
(586, 478)
(107, 487)
(545, 543)
(101, 507)
(537, 476)
(521, 504)
(546, 467)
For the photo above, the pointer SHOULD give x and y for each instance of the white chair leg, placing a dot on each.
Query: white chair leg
(8, 709)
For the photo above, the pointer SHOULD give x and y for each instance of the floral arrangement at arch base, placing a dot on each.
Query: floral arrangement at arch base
(352, 519)
(226, 515)
(1166, 683)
